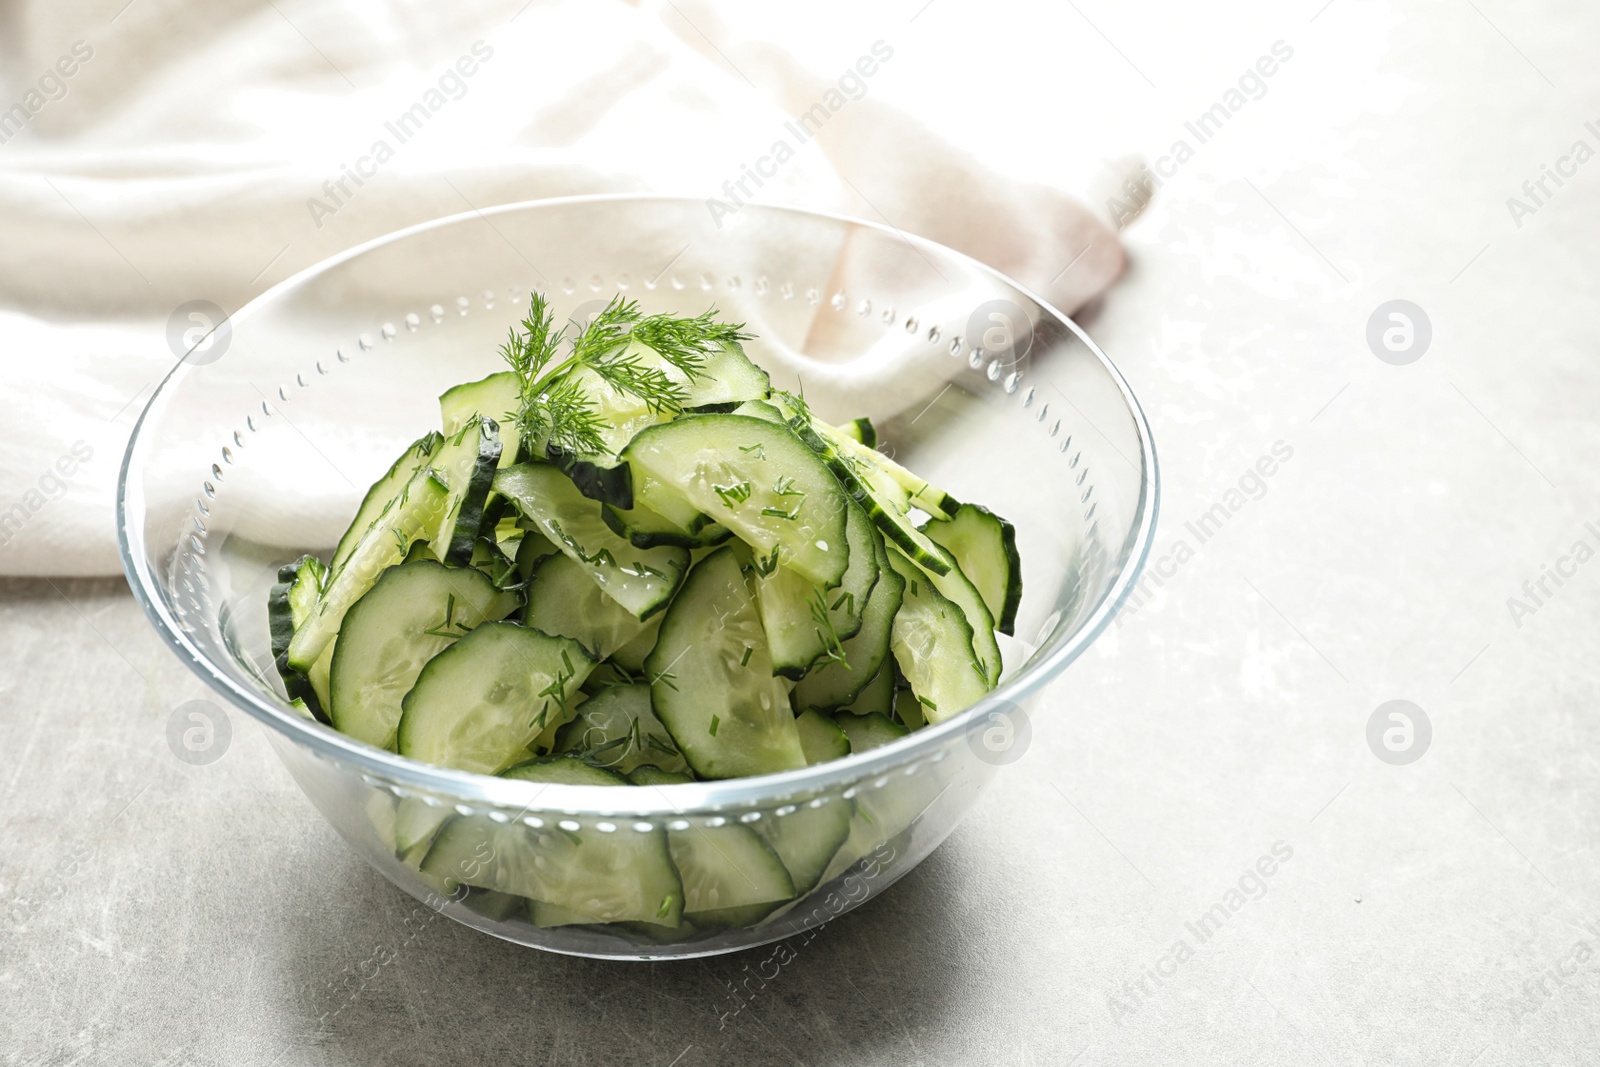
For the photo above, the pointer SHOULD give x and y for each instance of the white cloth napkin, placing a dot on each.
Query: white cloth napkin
(204, 150)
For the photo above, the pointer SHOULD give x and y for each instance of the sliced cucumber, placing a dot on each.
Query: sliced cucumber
(985, 547)
(649, 774)
(932, 643)
(383, 492)
(410, 614)
(415, 512)
(867, 732)
(564, 601)
(533, 547)
(631, 656)
(643, 528)
(620, 876)
(640, 579)
(834, 685)
(861, 430)
(727, 377)
(955, 587)
(712, 682)
(922, 494)
(908, 709)
(479, 704)
(607, 481)
(496, 397)
(752, 476)
(804, 623)
(727, 867)
(617, 729)
(884, 499)
(807, 838)
(878, 696)
(467, 462)
(289, 604)
(415, 823)
(820, 738)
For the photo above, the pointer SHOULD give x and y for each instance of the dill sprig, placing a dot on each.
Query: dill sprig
(557, 408)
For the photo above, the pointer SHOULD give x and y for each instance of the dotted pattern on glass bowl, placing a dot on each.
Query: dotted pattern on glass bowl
(194, 600)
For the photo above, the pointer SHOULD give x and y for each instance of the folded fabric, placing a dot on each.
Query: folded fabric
(202, 151)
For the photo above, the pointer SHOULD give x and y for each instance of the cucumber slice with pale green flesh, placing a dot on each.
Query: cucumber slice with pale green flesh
(932, 643)
(752, 476)
(617, 729)
(885, 501)
(289, 604)
(878, 695)
(820, 738)
(319, 677)
(415, 512)
(861, 430)
(620, 876)
(302, 709)
(955, 587)
(649, 774)
(631, 656)
(467, 462)
(564, 601)
(712, 682)
(489, 560)
(413, 612)
(383, 492)
(479, 704)
(533, 547)
(806, 838)
(921, 493)
(727, 867)
(496, 397)
(805, 624)
(985, 547)
(834, 685)
(416, 821)
(867, 732)
(908, 709)
(643, 528)
(640, 579)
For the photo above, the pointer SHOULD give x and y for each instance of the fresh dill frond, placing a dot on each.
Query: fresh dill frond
(606, 332)
(685, 343)
(832, 646)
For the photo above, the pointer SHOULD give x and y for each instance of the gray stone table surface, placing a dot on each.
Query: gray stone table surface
(1444, 911)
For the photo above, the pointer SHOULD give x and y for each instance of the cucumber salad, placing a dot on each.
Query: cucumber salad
(628, 560)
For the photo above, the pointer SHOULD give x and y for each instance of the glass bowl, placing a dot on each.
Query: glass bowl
(259, 444)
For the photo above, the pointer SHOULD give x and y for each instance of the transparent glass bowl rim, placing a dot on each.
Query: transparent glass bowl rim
(663, 801)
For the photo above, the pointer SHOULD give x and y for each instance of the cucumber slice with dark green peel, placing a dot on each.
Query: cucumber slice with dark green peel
(955, 587)
(620, 876)
(727, 377)
(608, 482)
(807, 838)
(479, 704)
(820, 738)
(415, 512)
(467, 463)
(489, 560)
(617, 729)
(885, 501)
(562, 770)
(640, 579)
(922, 494)
(867, 732)
(643, 528)
(861, 430)
(712, 682)
(760, 409)
(985, 547)
(413, 612)
(631, 656)
(564, 601)
(533, 547)
(496, 397)
(834, 685)
(649, 774)
(806, 625)
(754, 477)
(382, 494)
(932, 644)
(727, 867)
(289, 604)
(878, 695)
